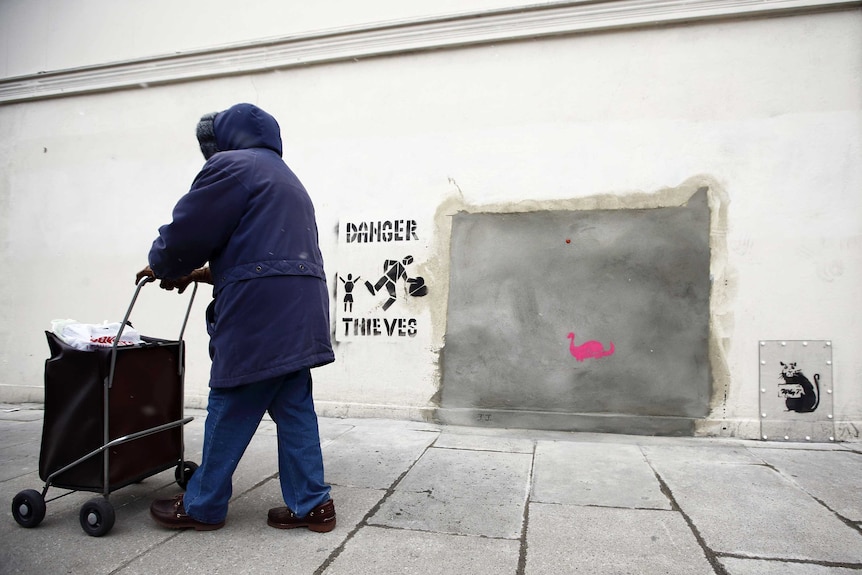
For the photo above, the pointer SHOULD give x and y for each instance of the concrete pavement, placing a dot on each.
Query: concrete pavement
(421, 498)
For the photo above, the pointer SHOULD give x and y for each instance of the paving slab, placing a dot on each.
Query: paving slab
(416, 497)
(246, 544)
(830, 476)
(715, 453)
(373, 456)
(599, 540)
(603, 474)
(18, 461)
(389, 552)
(752, 510)
(484, 443)
(736, 566)
(20, 441)
(258, 463)
(21, 412)
(332, 429)
(461, 492)
(59, 545)
(14, 433)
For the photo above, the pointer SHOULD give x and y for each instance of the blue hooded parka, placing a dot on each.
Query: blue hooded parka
(250, 217)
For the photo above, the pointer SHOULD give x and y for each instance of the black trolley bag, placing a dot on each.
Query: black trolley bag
(112, 417)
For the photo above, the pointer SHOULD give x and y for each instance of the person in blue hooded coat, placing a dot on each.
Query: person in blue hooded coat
(249, 217)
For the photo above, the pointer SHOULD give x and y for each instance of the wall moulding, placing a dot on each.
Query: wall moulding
(388, 38)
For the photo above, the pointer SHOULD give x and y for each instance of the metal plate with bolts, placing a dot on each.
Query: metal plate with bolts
(796, 391)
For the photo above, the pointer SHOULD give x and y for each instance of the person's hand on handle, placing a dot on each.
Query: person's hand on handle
(200, 275)
(146, 272)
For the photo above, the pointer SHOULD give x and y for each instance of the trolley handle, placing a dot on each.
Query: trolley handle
(145, 280)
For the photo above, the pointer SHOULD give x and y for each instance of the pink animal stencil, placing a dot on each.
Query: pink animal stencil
(588, 349)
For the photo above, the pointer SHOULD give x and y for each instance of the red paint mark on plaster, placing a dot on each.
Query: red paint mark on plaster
(588, 349)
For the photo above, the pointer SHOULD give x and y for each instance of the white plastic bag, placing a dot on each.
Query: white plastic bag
(88, 336)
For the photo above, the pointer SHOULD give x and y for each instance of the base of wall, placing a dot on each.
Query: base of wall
(195, 401)
(845, 431)
(585, 422)
(15, 394)
(736, 428)
(342, 410)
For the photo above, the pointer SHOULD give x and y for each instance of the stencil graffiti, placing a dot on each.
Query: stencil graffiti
(589, 349)
(381, 231)
(380, 283)
(796, 390)
(363, 324)
(799, 394)
(349, 284)
(393, 272)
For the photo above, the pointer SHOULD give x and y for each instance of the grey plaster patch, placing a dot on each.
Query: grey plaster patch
(537, 298)
(387, 551)
(754, 511)
(832, 477)
(595, 474)
(736, 566)
(461, 492)
(598, 541)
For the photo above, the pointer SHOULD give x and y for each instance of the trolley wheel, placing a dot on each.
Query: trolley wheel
(97, 516)
(184, 472)
(28, 508)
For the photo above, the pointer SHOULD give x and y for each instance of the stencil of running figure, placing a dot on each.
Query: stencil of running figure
(349, 283)
(393, 271)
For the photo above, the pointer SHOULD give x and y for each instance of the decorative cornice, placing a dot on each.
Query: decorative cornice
(531, 21)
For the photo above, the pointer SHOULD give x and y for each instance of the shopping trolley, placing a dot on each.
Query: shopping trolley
(113, 417)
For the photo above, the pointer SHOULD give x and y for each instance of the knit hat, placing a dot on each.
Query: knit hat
(206, 135)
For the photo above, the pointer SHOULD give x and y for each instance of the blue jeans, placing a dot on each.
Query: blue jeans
(233, 415)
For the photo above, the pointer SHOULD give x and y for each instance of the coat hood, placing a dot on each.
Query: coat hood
(246, 126)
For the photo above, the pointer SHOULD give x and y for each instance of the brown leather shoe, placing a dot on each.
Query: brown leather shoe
(321, 519)
(171, 513)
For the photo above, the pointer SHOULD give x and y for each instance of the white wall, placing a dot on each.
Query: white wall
(769, 111)
(47, 35)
